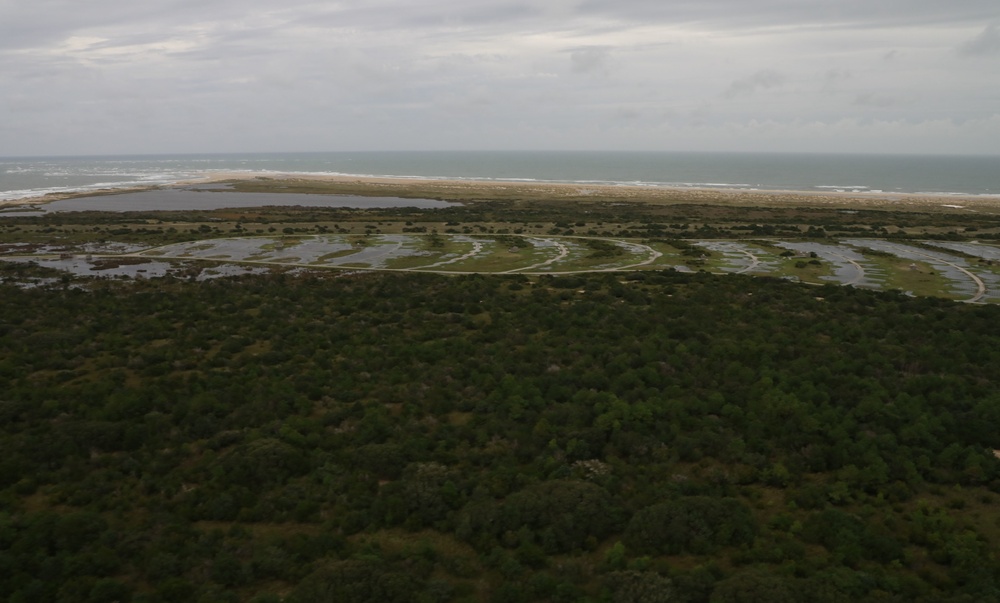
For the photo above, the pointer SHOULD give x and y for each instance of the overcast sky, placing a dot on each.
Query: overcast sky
(190, 76)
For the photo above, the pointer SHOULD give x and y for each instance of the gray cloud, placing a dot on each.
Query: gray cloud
(762, 80)
(628, 113)
(986, 43)
(835, 76)
(195, 75)
(872, 99)
(589, 60)
(823, 13)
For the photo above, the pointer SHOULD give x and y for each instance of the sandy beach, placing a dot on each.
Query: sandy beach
(654, 194)
(473, 190)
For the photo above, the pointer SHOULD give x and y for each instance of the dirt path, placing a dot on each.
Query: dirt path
(653, 256)
(754, 261)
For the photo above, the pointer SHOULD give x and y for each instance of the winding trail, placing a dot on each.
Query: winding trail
(754, 261)
(653, 256)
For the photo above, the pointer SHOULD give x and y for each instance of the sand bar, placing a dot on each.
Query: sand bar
(472, 190)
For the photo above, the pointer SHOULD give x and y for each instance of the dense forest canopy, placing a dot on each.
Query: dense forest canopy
(652, 436)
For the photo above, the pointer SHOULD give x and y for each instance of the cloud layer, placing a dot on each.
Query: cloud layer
(110, 76)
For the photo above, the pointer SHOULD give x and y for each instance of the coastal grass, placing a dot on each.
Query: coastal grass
(669, 254)
(333, 255)
(913, 276)
(491, 257)
(415, 261)
(424, 250)
(807, 270)
(720, 262)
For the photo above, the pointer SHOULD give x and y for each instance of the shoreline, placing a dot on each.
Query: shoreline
(554, 191)
(632, 192)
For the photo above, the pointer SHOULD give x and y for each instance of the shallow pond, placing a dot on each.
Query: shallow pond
(82, 267)
(173, 199)
(848, 264)
(949, 266)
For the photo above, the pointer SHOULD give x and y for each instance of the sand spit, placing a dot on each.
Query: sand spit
(478, 189)
(554, 190)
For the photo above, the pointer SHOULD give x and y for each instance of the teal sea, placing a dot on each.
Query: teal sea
(942, 175)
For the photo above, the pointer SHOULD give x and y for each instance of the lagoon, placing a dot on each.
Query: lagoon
(208, 198)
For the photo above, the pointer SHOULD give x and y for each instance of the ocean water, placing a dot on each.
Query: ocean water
(947, 175)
